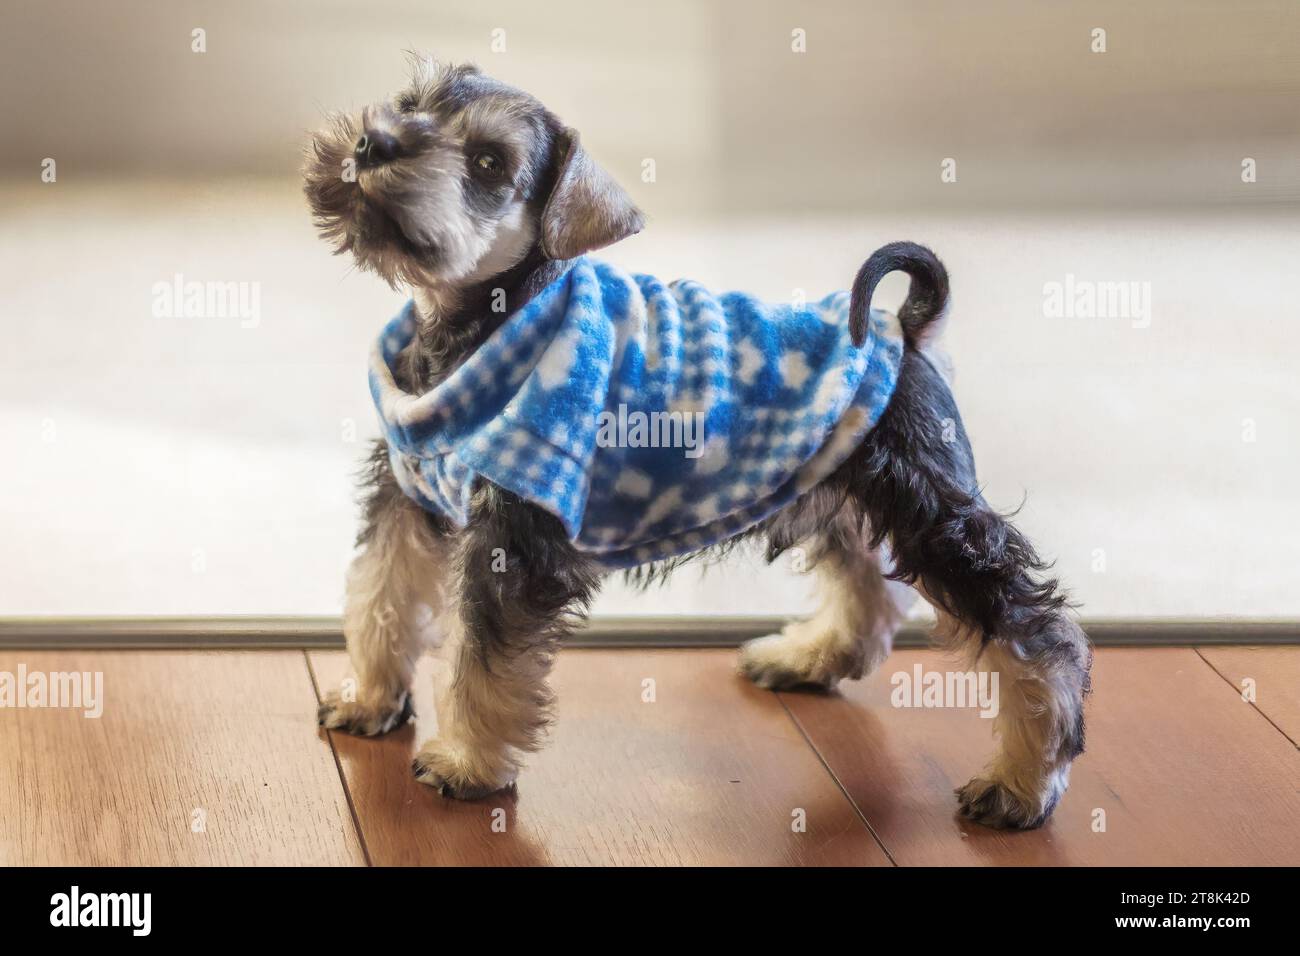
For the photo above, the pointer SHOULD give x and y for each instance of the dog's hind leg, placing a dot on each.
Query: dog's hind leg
(395, 604)
(1042, 674)
(915, 478)
(523, 588)
(853, 629)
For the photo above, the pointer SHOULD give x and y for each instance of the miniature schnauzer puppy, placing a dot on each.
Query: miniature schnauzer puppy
(461, 187)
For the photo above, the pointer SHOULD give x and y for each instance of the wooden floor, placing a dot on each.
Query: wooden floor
(213, 757)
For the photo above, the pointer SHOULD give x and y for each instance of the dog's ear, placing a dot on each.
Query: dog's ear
(587, 209)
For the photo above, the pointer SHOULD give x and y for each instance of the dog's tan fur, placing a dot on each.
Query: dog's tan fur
(1038, 706)
(397, 604)
(487, 720)
(852, 631)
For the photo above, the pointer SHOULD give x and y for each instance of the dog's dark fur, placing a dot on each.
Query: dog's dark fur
(910, 487)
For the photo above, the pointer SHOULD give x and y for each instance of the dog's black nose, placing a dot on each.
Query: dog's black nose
(376, 147)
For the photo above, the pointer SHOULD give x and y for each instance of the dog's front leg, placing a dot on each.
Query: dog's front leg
(398, 578)
(522, 588)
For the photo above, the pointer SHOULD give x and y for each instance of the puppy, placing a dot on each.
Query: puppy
(503, 521)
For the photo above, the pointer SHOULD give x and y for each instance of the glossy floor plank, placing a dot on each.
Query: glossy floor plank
(712, 771)
(198, 758)
(1184, 771)
(1275, 673)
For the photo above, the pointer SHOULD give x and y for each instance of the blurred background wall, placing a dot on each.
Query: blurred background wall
(202, 466)
(737, 122)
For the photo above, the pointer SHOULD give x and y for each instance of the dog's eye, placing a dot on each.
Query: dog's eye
(488, 165)
(406, 103)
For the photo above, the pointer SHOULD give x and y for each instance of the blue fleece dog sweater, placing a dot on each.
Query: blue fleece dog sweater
(653, 420)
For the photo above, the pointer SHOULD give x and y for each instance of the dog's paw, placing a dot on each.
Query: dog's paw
(354, 718)
(777, 662)
(993, 804)
(456, 773)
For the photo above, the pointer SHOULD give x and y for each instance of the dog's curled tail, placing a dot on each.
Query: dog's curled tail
(926, 299)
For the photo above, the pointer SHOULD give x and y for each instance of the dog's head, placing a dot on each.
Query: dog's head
(456, 180)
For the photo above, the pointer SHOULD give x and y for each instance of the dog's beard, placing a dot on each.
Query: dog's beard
(407, 221)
